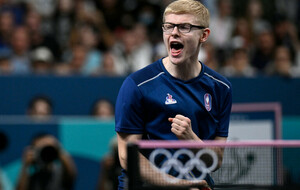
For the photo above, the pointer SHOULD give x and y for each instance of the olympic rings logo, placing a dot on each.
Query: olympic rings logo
(184, 169)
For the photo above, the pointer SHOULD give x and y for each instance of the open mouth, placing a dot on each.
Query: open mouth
(176, 45)
(176, 48)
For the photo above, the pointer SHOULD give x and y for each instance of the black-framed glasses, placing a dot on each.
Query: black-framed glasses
(183, 28)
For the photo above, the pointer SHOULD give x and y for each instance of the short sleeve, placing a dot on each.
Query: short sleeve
(225, 112)
(128, 111)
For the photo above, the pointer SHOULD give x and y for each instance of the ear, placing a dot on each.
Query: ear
(205, 35)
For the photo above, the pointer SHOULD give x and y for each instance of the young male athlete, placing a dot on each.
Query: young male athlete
(176, 97)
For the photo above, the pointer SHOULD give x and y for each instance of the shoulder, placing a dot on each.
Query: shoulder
(215, 78)
(146, 74)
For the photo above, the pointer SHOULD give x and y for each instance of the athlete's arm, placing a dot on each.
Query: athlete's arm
(181, 126)
(220, 151)
(123, 139)
(146, 170)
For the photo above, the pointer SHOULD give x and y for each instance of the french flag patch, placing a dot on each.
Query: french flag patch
(207, 101)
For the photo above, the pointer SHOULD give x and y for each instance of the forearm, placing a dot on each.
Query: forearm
(123, 140)
(219, 153)
(218, 150)
(154, 176)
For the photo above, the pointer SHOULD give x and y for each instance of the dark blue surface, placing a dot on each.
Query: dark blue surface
(19, 136)
(70, 95)
(76, 95)
(263, 89)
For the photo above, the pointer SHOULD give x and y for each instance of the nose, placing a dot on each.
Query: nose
(175, 30)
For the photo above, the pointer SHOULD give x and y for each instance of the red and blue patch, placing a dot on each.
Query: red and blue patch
(170, 100)
(207, 101)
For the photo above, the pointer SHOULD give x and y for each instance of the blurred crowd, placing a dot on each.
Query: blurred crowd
(117, 37)
(47, 165)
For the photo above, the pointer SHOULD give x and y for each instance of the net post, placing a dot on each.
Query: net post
(133, 168)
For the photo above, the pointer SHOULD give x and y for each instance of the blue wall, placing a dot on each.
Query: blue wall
(75, 95)
(262, 89)
(70, 95)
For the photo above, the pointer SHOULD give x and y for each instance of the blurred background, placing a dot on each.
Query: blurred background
(62, 63)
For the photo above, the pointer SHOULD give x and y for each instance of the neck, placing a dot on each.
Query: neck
(184, 71)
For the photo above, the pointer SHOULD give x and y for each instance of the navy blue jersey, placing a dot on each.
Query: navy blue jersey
(151, 95)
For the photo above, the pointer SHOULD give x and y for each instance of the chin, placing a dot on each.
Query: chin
(176, 60)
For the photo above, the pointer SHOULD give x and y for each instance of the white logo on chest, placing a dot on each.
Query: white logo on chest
(170, 100)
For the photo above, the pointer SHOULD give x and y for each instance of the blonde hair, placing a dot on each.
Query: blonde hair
(189, 7)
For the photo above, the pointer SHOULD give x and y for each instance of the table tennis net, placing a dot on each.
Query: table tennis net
(245, 165)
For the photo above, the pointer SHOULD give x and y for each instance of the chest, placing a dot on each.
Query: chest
(176, 98)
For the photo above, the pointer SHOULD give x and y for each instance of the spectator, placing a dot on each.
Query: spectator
(46, 10)
(243, 35)
(144, 47)
(159, 50)
(42, 61)
(264, 50)
(282, 64)
(239, 65)
(17, 8)
(40, 107)
(123, 52)
(20, 45)
(289, 8)
(254, 15)
(77, 60)
(38, 38)
(7, 25)
(109, 25)
(130, 53)
(207, 55)
(222, 26)
(103, 109)
(86, 16)
(64, 19)
(62, 69)
(110, 168)
(5, 63)
(286, 34)
(86, 12)
(148, 14)
(46, 165)
(108, 66)
(88, 38)
(112, 11)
